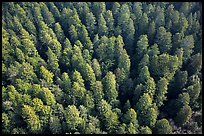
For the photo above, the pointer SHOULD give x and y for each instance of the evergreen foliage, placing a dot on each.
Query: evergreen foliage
(101, 67)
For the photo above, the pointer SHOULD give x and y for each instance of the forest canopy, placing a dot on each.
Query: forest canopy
(101, 67)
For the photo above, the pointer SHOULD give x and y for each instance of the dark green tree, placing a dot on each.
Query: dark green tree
(52, 61)
(98, 8)
(73, 119)
(147, 111)
(102, 28)
(195, 64)
(110, 92)
(109, 118)
(54, 10)
(96, 68)
(163, 127)
(90, 23)
(97, 89)
(109, 22)
(163, 39)
(184, 115)
(47, 15)
(187, 44)
(59, 32)
(151, 32)
(164, 65)
(55, 125)
(142, 45)
(161, 91)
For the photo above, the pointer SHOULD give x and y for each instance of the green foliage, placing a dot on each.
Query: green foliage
(97, 89)
(72, 118)
(125, 23)
(195, 64)
(150, 87)
(145, 130)
(109, 21)
(151, 31)
(88, 101)
(104, 50)
(115, 9)
(127, 106)
(183, 99)
(122, 60)
(142, 45)
(194, 91)
(47, 97)
(147, 111)
(18, 131)
(76, 93)
(179, 53)
(102, 28)
(187, 44)
(37, 104)
(54, 10)
(110, 92)
(153, 50)
(131, 129)
(47, 15)
(5, 123)
(24, 71)
(86, 56)
(59, 32)
(163, 127)
(183, 115)
(96, 68)
(66, 55)
(89, 75)
(46, 75)
(32, 120)
(101, 68)
(138, 91)
(76, 77)
(77, 60)
(161, 91)
(28, 43)
(176, 40)
(90, 23)
(55, 125)
(66, 82)
(93, 126)
(164, 65)
(144, 61)
(52, 61)
(108, 117)
(130, 117)
(163, 39)
(73, 33)
(121, 129)
(143, 23)
(160, 17)
(98, 8)
(180, 80)
(144, 75)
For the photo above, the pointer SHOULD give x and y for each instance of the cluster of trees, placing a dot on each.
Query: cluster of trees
(96, 67)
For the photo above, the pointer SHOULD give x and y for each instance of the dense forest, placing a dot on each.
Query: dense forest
(101, 67)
